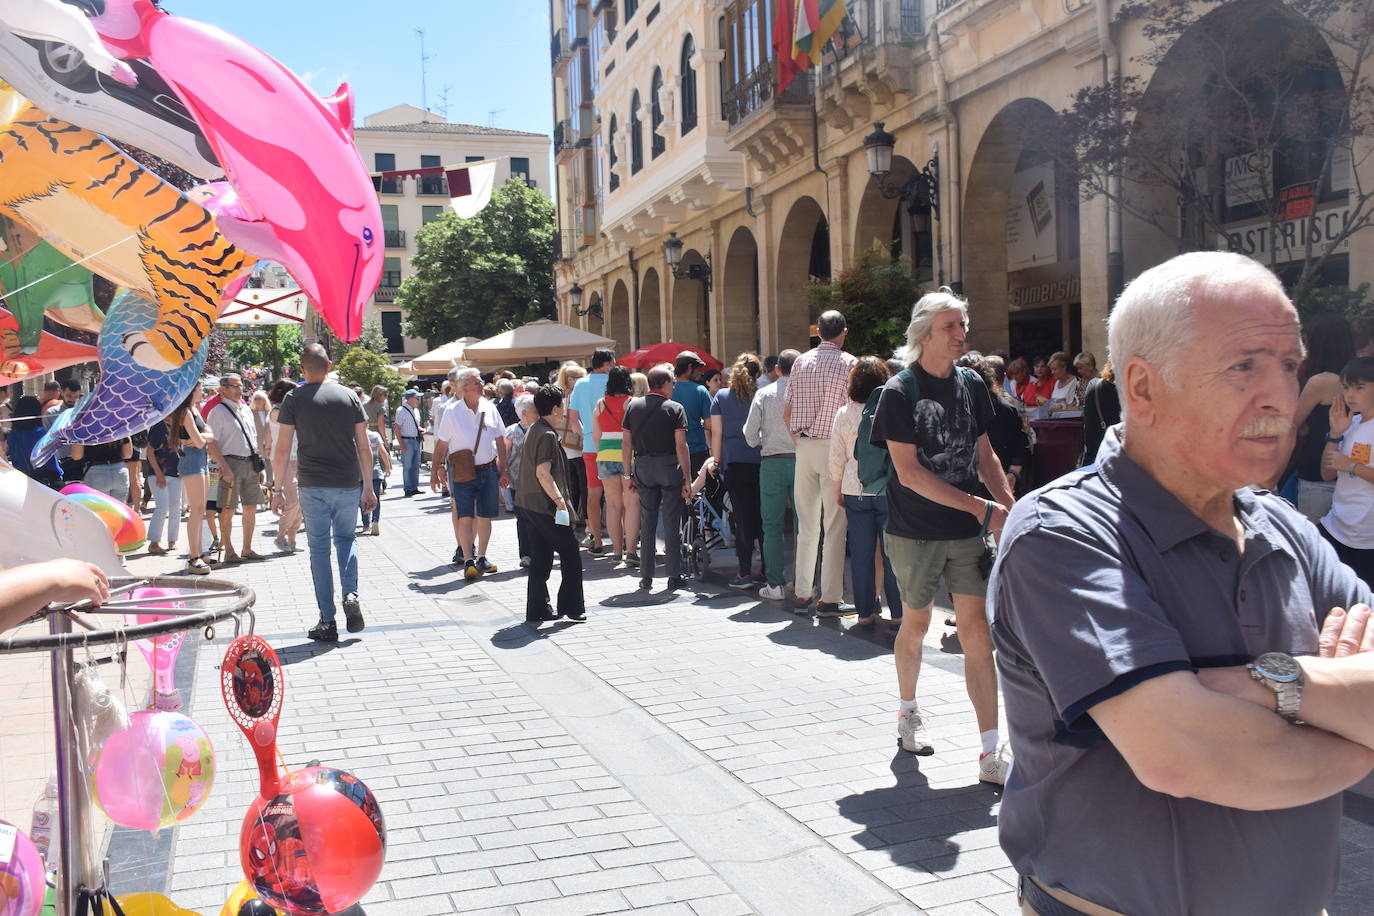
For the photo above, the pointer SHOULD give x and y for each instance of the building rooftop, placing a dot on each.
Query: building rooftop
(432, 127)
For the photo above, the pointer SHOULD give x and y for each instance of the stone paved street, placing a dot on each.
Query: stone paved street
(704, 754)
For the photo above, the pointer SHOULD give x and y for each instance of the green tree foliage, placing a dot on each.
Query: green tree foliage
(477, 276)
(360, 366)
(281, 349)
(876, 296)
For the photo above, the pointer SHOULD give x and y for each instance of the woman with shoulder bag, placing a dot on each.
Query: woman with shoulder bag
(570, 436)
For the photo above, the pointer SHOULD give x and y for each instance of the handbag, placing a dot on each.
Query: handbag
(254, 459)
(462, 464)
(567, 437)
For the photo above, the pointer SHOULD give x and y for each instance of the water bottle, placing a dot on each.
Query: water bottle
(43, 829)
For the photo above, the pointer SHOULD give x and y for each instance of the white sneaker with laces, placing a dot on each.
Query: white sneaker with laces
(772, 593)
(911, 729)
(994, 766)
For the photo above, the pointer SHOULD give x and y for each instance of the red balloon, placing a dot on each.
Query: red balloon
(317, 847)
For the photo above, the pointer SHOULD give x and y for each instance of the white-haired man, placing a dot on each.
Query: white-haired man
(936, 521)
(471, 423)
(1156, 771)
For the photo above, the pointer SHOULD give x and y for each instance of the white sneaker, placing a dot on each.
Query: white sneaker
(911, 729)
(772, 593)
(376, 529)
(994, 766)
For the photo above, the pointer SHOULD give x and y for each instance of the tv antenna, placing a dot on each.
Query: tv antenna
(442, 107)
(424, 68)
(491, 116)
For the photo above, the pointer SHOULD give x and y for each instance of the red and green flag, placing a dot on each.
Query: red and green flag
(816, 21)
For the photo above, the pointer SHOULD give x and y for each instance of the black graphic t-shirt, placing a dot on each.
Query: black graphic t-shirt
(944, 427)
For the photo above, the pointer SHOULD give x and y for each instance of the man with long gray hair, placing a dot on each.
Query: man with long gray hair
(936, 521)
(1156, 771)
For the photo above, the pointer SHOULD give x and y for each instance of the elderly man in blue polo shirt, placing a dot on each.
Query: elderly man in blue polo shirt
(1171, 755)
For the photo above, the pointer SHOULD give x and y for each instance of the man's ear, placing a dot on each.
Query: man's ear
(1141, 386)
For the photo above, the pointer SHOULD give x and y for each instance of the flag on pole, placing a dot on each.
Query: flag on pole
(789, 59)
(817, 20)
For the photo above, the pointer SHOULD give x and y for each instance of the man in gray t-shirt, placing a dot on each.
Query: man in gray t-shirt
(333, 461)
(1146, 614)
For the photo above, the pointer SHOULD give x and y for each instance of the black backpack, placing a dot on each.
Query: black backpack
(875, 464)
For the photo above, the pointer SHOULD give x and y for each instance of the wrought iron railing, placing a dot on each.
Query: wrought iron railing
(559, 49)
(757, 90)
(395, 238)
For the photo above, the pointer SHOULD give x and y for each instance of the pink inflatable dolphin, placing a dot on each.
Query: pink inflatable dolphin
(289, 155)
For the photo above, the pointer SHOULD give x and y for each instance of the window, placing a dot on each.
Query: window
(391, 330)
(432, 184)
(610, 146)
(688, 94)
(385, 162)
(636, 136)
(473, 158)
(520, 168)
(631, 7)
(429, 214)
(391, 227)
(656, 142)
(391, 272)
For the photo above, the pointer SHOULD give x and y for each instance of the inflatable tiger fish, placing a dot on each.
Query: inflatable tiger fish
(106, 211)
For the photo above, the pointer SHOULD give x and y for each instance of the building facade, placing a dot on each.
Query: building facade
(668, 122)
(406, 137)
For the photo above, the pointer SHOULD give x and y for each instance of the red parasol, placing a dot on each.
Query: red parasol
(648, 357)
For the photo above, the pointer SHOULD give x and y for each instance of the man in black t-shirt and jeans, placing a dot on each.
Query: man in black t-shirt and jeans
(936, 523)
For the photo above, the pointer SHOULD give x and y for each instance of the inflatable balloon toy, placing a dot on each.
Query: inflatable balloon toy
(244, 901)
(23, 879)
(150, 904)
(37, 280)
(155, 773)
(99, 206)
(314, 841)
(160, 651)
(53, 526)
(288, 154)
(66, 70)
(129, 397)
(124, 524)
(52, 352)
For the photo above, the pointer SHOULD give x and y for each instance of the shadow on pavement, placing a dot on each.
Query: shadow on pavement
(434, 572)
(302, 652)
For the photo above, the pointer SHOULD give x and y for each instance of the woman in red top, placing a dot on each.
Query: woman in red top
(1041, 387)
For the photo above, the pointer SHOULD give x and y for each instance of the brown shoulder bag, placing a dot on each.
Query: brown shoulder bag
(462, 464)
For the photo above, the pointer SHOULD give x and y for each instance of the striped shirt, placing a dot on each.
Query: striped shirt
(819, 387)
(610, 445)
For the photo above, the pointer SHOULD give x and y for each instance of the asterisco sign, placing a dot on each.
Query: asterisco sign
(1287, 239)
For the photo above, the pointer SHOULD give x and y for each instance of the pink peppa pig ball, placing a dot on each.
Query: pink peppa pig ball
(22, 879)
(154, 773)
(318, 846)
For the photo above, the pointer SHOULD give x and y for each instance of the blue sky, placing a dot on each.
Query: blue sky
(491, 55)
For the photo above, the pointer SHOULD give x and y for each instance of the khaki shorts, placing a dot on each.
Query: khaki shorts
(246, 488)
(920, 564)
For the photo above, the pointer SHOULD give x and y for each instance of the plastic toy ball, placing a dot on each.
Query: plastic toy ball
(126, 526)
(244, 901)
(154, 773)
(147, 903)
(23, 881)
(318, 846)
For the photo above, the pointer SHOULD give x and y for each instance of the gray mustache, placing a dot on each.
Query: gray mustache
(1264, 427)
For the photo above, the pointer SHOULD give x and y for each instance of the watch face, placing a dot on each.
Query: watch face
(1278, 667)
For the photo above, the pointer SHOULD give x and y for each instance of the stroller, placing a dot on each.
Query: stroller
(703, 530)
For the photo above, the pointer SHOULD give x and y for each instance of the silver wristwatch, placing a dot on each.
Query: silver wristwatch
(1281, 673)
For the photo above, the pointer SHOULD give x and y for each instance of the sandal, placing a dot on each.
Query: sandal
(227, 557)
(156, 549)
(197, 568)
(251, 555)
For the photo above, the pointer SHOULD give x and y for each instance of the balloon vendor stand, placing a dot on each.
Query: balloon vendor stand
(199, 603)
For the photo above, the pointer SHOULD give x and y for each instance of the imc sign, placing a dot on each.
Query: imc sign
(1249, 178)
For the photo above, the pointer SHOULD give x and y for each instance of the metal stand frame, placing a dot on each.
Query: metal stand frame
(73, 814)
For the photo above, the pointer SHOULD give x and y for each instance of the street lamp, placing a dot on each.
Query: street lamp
(923, 187)
(672, 252)
(575, 297)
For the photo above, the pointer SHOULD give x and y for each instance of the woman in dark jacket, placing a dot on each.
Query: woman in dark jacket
(1101, 411)
(1007, 431)
(24, 435)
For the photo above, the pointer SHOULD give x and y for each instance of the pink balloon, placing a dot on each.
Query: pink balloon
(161, 651)
(23, 880)
(154, 773)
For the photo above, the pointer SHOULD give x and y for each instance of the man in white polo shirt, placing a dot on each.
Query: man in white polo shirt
(470, 422)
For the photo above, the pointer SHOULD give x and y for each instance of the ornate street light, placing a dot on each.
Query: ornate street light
(575, 297)
(923, 187)
(672, 252)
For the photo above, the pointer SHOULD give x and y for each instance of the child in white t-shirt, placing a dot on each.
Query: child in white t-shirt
(381, 467)
(1347, 460)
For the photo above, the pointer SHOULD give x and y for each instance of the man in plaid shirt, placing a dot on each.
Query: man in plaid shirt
(819, 386)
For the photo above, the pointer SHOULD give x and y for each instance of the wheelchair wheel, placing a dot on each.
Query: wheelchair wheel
(691, 534)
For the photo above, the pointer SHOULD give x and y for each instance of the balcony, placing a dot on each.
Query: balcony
(394, 238)
(560, 51)
(871, 61)
(563, 141)
(386, 293)
(771, 129)
(432, 186)
(387, 185)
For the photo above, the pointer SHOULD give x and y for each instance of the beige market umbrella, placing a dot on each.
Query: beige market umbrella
(538, 341)
(441, 359)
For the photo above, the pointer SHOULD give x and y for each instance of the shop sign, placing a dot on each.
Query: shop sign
(1249, 177)
(1298, 201)
(247, 331)
(1287, 239)
(1051, 292)
(1031, 229)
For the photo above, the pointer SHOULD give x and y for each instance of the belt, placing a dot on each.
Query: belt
(781, 455)
(651, 455)
(483, 467)
(1057, 902)
(239, 457)
(415, 438)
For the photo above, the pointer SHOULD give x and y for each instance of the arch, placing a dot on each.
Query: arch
(803, 258)
(689, 320)
(650, 329)
(657, 142)
(636, 135)
(610, 149)
(618, 318)
(904, 226)
(688, 92)
(737, 294)
(595, 307)
(1022, 252)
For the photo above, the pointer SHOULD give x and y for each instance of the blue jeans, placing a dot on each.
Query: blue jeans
(167, 510)
(410, 465)
(376, 514)
(867, 518)
(110, 479)
(329, 510)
